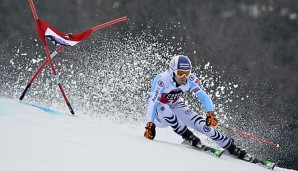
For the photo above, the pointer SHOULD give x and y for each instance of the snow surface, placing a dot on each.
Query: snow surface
(33, 139)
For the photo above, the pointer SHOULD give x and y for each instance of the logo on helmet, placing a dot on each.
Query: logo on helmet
(184, 66)
(180, 62)
(183, 63)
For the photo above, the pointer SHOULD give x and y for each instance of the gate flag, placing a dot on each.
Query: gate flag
(63, 39)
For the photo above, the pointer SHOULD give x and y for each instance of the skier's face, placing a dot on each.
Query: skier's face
(181, 80)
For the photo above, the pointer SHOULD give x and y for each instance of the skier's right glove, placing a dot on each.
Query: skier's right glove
(150, 130)
(211, 119)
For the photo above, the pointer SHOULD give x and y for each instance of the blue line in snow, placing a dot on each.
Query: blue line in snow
(50, 111)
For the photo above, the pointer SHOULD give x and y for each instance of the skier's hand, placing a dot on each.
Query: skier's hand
(150, 130)
(211, 119)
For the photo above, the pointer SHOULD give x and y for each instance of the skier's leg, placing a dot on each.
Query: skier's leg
(165, 117)
(193, 120)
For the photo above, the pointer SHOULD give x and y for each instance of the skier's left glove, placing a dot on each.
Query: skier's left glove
(150, 130)
(211, 119)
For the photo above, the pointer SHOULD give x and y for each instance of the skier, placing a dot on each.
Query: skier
(166, 109)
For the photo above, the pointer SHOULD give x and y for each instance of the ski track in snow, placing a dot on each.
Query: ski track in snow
(35, 139)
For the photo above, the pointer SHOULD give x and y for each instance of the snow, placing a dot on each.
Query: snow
(36, 140)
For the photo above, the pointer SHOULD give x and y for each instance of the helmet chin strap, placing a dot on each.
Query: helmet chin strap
(177, 85)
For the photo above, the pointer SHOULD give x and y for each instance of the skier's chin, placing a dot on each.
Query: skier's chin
(181, 81)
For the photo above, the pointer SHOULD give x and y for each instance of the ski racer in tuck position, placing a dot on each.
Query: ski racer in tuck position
(166, 109)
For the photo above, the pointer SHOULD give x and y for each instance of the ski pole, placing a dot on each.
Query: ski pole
(249, 135)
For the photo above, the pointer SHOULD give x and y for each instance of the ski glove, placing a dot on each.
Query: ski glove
(211, 119)
(150, 130)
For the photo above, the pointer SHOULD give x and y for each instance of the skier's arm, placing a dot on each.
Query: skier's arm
(196, 86)
(157, 87)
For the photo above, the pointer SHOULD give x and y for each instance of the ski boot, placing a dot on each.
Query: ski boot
(238, 152)
(192, 139)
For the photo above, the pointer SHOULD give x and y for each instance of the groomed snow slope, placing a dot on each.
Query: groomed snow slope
(36, 140)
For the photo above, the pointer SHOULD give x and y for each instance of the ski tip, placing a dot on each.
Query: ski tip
(220, 154)
(275, 164)
(265, 163)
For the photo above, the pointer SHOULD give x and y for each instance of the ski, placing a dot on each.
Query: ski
(218, 153)
(212, 150)
(264, 163)
(215, 151)
(260, 162)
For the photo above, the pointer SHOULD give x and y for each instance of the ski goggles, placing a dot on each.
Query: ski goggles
(180, 73)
